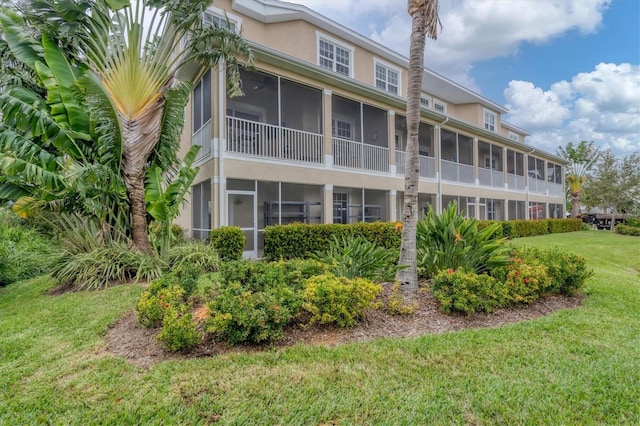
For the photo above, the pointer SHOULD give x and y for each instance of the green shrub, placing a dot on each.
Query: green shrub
(339, 300)
(178, 329)
(358, 258)
(228, 241)
(468, 292)
(568, 272)
(301, 240)
(627, 230)
(154, 303)
(109, 264)
(525, 279)
(452, 241)
(204, 256)
(297, 271)
(24, 251)
(253, 303)
(240, 315)
(633, 222)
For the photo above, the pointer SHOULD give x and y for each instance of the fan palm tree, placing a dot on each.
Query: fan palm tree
(424, 23)
(126, 55)
(582, 158)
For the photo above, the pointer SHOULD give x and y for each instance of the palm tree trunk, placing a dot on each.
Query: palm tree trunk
(140, 138)
(409, 277)
(575, 204)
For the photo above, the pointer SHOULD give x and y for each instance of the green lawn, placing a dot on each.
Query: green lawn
(578, 366)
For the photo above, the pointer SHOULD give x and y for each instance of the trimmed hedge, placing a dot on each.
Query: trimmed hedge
(627, 230)
(228, 241)
(529, 228)
(300, 240)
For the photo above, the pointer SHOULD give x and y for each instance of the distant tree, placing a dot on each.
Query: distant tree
(424, 23)
(615, 183)
(581, 158)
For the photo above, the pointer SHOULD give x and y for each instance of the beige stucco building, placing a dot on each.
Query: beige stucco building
(319, 135)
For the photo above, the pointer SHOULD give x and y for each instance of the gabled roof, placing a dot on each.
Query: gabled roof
(274, 11)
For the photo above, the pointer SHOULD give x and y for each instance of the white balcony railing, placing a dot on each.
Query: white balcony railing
(538, 186)
(556, 189)
(356, 155)
(202, 138)
(515, 182)
(427, 165)
(266, 140)
(457, 172)
(488, 177)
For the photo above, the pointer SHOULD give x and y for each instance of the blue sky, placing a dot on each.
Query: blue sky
(567, 70)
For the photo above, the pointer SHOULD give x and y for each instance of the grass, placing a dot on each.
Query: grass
(579, 366)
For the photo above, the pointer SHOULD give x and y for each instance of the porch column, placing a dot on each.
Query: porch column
(505, 157)
(437, 148)
(477, 209)
(505, 209)
(213, 203)
(393, 205)
(391, 136)
(476, 165)
(328, 143)
(327, 204)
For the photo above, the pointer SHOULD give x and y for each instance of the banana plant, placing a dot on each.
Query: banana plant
(165, 194)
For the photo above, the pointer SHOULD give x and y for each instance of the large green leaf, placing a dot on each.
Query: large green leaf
(23, 47)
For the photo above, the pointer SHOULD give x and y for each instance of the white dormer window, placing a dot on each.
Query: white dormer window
(490, 119)
(214, 20)
(439, 106)
(425, 101)
(387, 77)
(334, 55)
(514, 137)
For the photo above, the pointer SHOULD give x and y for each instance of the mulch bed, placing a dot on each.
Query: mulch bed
(138, 345)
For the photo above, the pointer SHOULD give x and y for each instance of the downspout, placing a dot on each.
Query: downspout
(439, 173)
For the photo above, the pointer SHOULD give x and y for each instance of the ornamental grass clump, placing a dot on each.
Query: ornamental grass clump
(358, 258)
(452, 241)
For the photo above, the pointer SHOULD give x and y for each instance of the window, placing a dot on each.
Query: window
(425, 101)
(514, 137)
(333, 56)
(489, 163)
(341, 129)
(440, 106)
(218, 20)
(202, 102)
(387, 78)
(489, 120)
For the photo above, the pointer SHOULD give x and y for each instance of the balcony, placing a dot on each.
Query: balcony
(456, 172)
(556, 189)
(358, 155)
(537, 186)
(256, 139)
(202, 138)
(516, 182)
(488, 177)
(427, 165)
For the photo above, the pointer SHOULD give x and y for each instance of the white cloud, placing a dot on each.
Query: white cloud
(602, 105)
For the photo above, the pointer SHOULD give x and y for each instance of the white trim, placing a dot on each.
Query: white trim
(514, 136)
(390, 67)
(335, 42)
(427, 98)
(439, 103)
(223, 14)
(487, 124)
